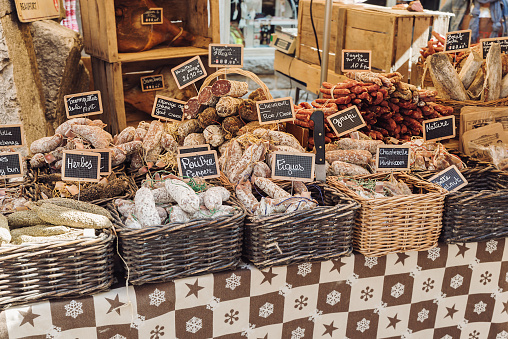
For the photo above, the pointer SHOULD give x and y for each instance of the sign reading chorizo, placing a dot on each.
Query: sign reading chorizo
(439, 128)
(279, 110)
(152, 17)
(293, 166)
(198, 165)
(189, 72)
(458, 41)
(81, 166)
(167, 109)
(83, 104)
(11, 165)
(152, 82)
(346, 121)
(356, 60)
(450, 179)
(224, 55)
(391, 158)
(11, 136)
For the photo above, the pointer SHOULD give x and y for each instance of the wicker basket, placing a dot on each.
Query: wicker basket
(173, 251)
(478, 211)
(397, 224)
(247, 74)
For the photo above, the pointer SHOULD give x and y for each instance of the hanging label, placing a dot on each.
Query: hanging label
(105, 168)
(152, 83)
(356, 60)
(11, 165)
(439, 128)
(199, 165)
(487, 42)
(152, 17)
(282, 44)
(167, 109)
(193, 149)
(225, 55)
(293, 166)
(189, 72)
(279, 110)
(392, 158)
(458, 41)
(34, 10)
(346, 121)
(81, 166)
(11, 136)
(450, 179)
(83, 104)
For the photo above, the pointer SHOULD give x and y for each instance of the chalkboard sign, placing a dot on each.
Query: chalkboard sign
(152, 17)
(81, 166)
(279, 110)
(152, 83)
(356, 60)
(199, 165)
(83, 104)
(189, 72)
(392, 158)
(11, 165)
(282, 44)
(11, 136)
(32, 10)
(439, 128)
(458, 41)
(193, 149)
(346, 121)
(105, 168)
(224, 55)
(487, 42)
(167, 109)
(293, 166)
(450, 179)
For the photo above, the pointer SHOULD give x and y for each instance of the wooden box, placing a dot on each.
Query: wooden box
(199, 17)
(394, 36)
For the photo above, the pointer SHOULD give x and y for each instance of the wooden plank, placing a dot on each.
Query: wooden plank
(370, 21)
(162, 53)
(110, 44)
(402, 46)
(341, 38)
(85, 24)
(381, 45)
(440, 24)
(93, 19)
(309, 55)
(421, 33)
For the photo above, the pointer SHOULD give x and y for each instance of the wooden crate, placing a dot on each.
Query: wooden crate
(394, 36)
(99, 29)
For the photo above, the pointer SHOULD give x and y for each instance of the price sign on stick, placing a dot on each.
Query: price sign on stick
(272, 111)
(83, 104)
(450, 179)
(167, 109)
(11, 136)
(392, 158)
(293, 166)
(356, 60)
(152, 83)
(152, 17)
(458, 41)
(346, 121)
(189, 72)
(487, 42)
(198, 165)
(439, 128)
(105, 168)
(193, 149)
(81, 166)
(224, 55)
(11, 165)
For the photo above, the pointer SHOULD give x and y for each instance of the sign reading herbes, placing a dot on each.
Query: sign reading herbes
(189, 72)
(225, 55)
(293, 166)
(458, 41)
(83, 104)
(11, 165)
(152, 83)
(198, 165)
(11, 136)
(392, 158)
(279, 110)
(81, 166)
(439, 128)
(356, 60)
(193, 149)
(450, 179)
(346, 121)
(167, 109)
(152, 17)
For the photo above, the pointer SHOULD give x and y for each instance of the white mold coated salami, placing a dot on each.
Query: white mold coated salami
(231, 88)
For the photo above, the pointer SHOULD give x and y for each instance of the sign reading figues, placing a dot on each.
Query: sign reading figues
(152, 17)
(193, 149)
(167, 109)
(198, 165)
(11, 165)
(458, 41)
(11, 136)
(356, 60)
(346, 121)
(391, 158)
(450, 179)
(279, 110)
(81, 166)
(224, 55)
(439, 128)
(152, 82)
(83, 104)
(487, 42)
(293, 166)
(189, 72)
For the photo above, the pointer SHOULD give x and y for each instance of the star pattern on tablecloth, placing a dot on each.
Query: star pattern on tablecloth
(337, 264)
(115, 304)
(28, 317)
(505, 307)
(268, 276)
(194, 289)
(451, 311)
(329, 329)
(393, 321)
(401, 257)
(462, 250)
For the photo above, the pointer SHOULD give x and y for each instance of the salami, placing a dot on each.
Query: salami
(228, 106)
(126, 135)
(232, 125)
(232, 88)
(153, 135)
(248, 111)
(208, 117)
(206, 97)
(191, 108)
(258, 95)
(46, 144)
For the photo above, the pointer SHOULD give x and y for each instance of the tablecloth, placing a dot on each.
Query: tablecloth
(451, 291)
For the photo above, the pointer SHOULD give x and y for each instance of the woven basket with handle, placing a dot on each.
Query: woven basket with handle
(225, 71)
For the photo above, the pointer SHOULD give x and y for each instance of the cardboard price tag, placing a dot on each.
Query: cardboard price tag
(34, 10)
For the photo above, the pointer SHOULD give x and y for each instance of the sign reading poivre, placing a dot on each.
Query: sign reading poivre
(198, 165)
(11, 165)
(450, 179)
(11, 136)
(390, 158)
(83, 104)
(293, 166)
(439, 128)
(189, 72)
(356, 60)
(278, 110)
(81, 166)
(225, 55)
(346, 121)
(458, 41)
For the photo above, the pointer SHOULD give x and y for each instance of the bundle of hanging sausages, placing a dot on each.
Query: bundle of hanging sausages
(390, 107)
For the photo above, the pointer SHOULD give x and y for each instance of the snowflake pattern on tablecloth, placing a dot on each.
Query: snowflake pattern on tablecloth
(363, 325)
(367, 293)
(73, 309)
(54, 332)
(301, 302)
(304, 269)
(502, 335)
(298, 333)
(157, 297)
(231, 317)
(136, 324)
(456, 281)
(213, 304)
(447, 336)
(380, 307)
(157, 332)
(333, 298)
(266, 310)
(315, 315)
(397, 290)
(485, 278)
(285, 290)
(434, 253)
(352, 279)
(246, 332)
(406, 334)
(370, 262)
(474, 335)
(118, 336)
(480, 307)
(491, 246)
(194, 325)
(423, 315)
(428, 285)
(233, 281)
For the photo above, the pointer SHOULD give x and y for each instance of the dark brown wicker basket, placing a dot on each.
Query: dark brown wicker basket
(478, 211)
(176, 250)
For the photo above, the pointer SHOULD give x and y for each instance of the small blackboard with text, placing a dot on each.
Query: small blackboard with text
(346, 121)
(198, 165)
(225, 55)
(503, 42)
(356, 60)
(450, 179)
(105, 168)
(152, 82)
(282, 44)
(167, 109)
(293, 166)
(153, 16)
(193, 149)
(458, 41)
(189, 72)
(11, 165)
(83, 104)
(439, 128)
(81, 166)
(11, 136)
(278, 110)
(392, 158)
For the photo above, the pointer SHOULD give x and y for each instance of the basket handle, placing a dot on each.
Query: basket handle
(250, 75)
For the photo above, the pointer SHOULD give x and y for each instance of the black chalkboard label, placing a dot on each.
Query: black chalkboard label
(282, 44)
(487, 42)
(193, 149)
(167, 109)
(105, 168)
(392, 158)
(278, 110)
(439, 128)
(458, 41)
(346, 121)
(356, 60)
(152, 83)
(83, 104)
(199, 165)
(293, 166)
(11, 165)
(224, 55)
(450, 179)
(81, 166)
(189, 72)
(152, 17)
(11, 136)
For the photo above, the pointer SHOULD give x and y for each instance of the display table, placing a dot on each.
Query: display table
(454, 291)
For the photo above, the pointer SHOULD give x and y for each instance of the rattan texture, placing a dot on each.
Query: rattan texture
(400, 223)
(225, 71)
